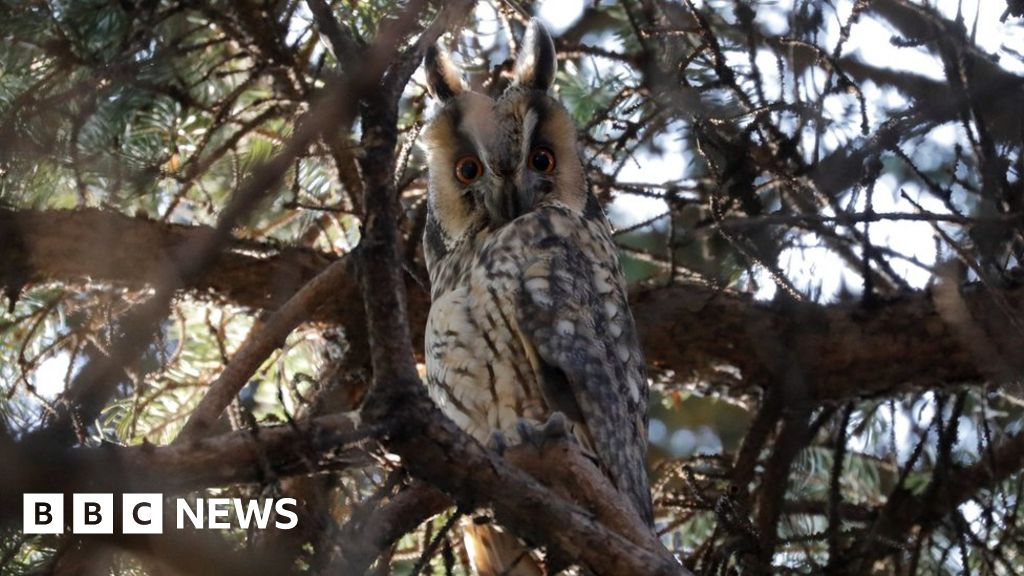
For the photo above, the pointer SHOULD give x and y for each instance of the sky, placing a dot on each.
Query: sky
(818, 268)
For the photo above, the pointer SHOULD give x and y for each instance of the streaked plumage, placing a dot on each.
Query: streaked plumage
(529, 314)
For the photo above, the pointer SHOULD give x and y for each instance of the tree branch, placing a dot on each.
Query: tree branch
(260, 455)
(848, 351)
(261, 341)
(365, 536)
(904, 510)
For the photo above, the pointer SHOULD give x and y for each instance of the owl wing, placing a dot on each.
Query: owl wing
(572, 311)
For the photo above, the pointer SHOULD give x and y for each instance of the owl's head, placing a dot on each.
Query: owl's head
(493, 160)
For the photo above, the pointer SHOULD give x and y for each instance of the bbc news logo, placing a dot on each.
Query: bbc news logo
(143, 513)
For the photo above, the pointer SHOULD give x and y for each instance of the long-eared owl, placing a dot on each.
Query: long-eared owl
(529, 315)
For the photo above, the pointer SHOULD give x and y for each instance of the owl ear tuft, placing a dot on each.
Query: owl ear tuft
(536, 64)
(444, 81)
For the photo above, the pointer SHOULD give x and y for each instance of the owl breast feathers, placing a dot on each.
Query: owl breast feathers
(529, 314)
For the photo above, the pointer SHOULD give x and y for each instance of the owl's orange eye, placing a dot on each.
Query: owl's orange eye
(468, 169)
(542, 160)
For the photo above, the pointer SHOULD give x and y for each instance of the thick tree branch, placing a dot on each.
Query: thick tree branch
(846, 350)
(103, 246)
(437, 451)
(563, 467)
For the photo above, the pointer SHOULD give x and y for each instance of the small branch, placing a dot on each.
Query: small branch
(772, 492)
(362, 539)
(341, 40)
(904, 511)
(262, 340)
(835, 495)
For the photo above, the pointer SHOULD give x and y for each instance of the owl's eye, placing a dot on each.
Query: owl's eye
(542, 160)
(468, 169)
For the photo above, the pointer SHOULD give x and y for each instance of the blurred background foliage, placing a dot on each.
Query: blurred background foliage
(795, 151)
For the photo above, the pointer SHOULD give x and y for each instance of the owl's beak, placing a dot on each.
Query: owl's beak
(507, 202)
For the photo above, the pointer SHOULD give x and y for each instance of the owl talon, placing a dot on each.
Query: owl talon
(554, 429)
(557, 427)
(527, 432)
(498, 442)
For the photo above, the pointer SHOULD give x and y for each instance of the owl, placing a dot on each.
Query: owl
(529, 322)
